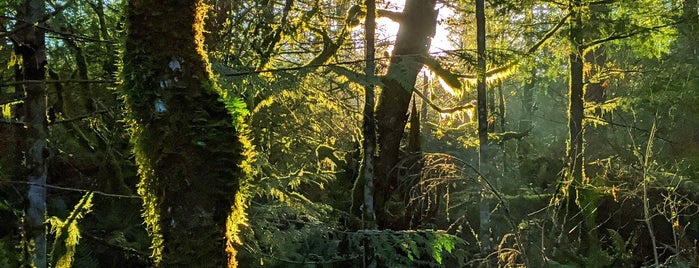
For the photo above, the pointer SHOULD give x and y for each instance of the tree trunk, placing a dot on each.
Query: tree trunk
(524, 147)
(29, 44)
(575, 115)
(413, 40)
(369, 124)
(189, 148)
(688, 30)
(581, 201)
(484, 158)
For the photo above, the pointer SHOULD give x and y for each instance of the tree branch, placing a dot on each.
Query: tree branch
(49, 186)
(359, 79)
(79, 81)
(548, 35)
(46, 17)
(434, 106)
(626, 126)
(494, 72)
(625, 35)
(8, 122)
(77, 118)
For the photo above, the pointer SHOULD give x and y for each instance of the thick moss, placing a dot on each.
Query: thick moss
(187, 145)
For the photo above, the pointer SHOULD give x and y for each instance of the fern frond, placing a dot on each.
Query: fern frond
(68, 233)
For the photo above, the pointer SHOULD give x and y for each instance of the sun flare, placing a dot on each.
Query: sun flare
(388, 29)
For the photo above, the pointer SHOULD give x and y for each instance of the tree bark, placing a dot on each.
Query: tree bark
(189, 148)
(369, 125)
(581, 203)
(29, 44)
(575, 115)
(484, 157)
(413, 40)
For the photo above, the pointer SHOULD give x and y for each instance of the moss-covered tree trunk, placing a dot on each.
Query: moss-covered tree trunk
(28, 42)
(185, 141)
(412, 41)
(581, 199)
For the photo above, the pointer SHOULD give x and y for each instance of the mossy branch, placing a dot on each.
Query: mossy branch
(359, 78)
(509, 135)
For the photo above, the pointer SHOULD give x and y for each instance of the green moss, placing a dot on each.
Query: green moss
(189, 139)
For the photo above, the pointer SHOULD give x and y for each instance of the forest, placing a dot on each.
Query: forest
(343, 133)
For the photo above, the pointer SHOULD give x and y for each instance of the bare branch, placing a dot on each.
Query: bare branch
(78, 81)
(49, 186)
(46, 17)
(626, 126)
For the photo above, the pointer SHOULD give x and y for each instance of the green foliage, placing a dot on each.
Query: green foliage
(9, 254)
(621, 249)
(441, 243)
(407, 248)
(294, 211)
(301, 242)
(6, 112)
(67, 233)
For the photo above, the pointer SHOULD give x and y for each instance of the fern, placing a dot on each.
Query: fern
(68, 233)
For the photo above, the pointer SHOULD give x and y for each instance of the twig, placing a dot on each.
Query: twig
(26, 24)
(646, 209)
(626, 126)
(79, 117)
(625, 35)
(79, 81)
(49, 186)
(440, 109)
(9, 122)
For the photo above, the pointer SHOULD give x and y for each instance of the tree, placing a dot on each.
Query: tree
(189, 147)
(29, 43)
(483, 145)
(369, 123)
(585, 35)
(413, 41)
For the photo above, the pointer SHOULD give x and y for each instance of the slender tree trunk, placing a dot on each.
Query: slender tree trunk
(484, 157)
(413, 40)
(575, 116)
(29, 44)
(689, 28)
(369, 125)
(523, 147)
(189, 148)
(581, 203)
(574, 150)
(109, 65)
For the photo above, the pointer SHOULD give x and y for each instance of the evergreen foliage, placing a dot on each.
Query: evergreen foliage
(67, 233)
(231, 136)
